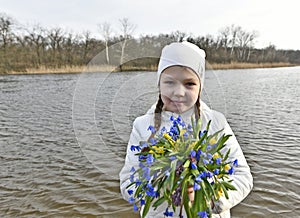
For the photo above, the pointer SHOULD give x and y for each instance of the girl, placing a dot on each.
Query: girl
(180, 78)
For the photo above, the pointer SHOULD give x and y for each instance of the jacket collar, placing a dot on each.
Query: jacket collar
(186, 116)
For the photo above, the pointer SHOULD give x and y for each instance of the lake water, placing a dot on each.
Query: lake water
(63, 139)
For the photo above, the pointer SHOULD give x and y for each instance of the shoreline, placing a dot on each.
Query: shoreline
(110, 68)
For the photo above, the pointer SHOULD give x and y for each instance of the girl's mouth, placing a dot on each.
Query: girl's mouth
(177, 102)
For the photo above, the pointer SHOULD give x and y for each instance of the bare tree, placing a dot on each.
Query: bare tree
(244, 42)
(127, 30)
(6, 34)
(86, 45)
(234, 31)
(178, 36)
(55, 40)
(36, 38)
(69, 47)
(224, 37)
(106, 31)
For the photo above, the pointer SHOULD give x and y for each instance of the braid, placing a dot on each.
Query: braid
(197, 108)
(157, 115)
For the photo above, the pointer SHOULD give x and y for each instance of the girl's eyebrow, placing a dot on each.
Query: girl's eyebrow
(190, 80)
(167, 77)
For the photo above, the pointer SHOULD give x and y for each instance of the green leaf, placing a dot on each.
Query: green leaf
(186, 164)
(228, 185)
(195, 172)
(197, 201)
(224, 190)
(186, 200)
(211, 190)
(226, 155)
(147, 206)
(159, 202)
(172, 174)
(138, 190)
(203, 188)
(130, 185)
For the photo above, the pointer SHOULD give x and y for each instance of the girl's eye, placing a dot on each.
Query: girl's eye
(169, 82)
(190, 84)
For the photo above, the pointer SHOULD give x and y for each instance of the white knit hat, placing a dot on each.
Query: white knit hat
(182, 54)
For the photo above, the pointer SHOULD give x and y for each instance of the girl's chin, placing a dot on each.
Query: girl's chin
(176, 109)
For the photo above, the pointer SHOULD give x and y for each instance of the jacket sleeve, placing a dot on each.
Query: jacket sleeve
(242, 178)
(131, 160)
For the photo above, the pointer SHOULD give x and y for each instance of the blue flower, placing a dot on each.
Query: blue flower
(146, 173)
(133, 148)
(235, 162)
(163, 130)
(218, 160)
(216, 171)
(152, 129)
(143, 202)
(202, 214)
(199, 153)
(172, 118)
(130, 192)
(144, 145)
(131, 200)
(198, 178)
(135, 208)
(209, 174)
(151, 193)
(132, 170)
(172, 158)
(174, 131)
(209, 156)
(167, 173)
(141, 165)
(137, 182)
(196, 186)
(180, 121)
(150, 190)
(167, 213)
(205, 161)
(231, 171)
(185, 135)
(153, 141)
(131, 178)
(150, 159)
(194, 166)
(200, 134)
(203, 175)
(193, 153)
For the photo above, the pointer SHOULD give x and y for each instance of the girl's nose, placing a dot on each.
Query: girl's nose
(179, 91)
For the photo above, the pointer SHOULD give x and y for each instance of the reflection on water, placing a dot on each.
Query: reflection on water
(63, 139)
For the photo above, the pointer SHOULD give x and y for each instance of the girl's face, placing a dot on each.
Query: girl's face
(179, 88)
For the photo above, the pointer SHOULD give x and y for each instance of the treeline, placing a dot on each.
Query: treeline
(37, 47)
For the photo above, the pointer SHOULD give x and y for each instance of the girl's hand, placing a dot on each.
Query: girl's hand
(191, 193)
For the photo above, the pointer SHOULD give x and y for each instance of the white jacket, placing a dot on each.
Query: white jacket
(242, 178)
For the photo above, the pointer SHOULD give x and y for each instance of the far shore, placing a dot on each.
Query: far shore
(110, 68)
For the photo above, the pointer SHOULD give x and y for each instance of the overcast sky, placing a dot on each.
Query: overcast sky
(277, 22)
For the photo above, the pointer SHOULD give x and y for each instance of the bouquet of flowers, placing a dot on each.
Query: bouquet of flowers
(183, 167)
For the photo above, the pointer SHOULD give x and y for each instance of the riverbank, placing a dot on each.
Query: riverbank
(110, 68)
